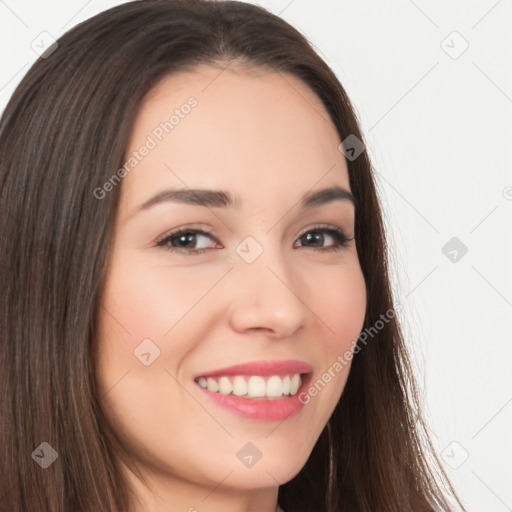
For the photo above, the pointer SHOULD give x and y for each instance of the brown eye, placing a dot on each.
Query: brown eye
(317, 237)
(185, 240)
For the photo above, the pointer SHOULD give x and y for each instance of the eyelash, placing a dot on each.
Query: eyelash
(341, 240)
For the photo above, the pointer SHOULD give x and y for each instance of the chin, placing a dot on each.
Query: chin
(261, 475)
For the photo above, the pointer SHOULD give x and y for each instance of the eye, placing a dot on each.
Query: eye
(182, 240)
(317, 236)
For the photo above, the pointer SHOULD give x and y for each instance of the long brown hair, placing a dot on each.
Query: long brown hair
(63, 134)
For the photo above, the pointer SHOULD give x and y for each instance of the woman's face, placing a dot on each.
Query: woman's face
(269, 285)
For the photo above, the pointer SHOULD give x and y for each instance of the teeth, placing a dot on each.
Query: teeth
(225, 386)
(255, 386)
(274, 386)
(212, 384)
(239, 386)
(295, 384)
(286, 385)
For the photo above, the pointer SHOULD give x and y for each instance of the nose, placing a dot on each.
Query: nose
(267, 295)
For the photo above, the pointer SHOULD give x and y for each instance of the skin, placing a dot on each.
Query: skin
(266, 138)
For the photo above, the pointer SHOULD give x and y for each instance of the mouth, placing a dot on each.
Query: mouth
(263, 380)
(258, 390)
(273, 397)
(255, 387)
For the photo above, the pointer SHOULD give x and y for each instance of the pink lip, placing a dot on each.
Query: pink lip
(261, 368)
(262, 408)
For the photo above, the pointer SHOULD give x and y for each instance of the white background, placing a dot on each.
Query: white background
(439, 133)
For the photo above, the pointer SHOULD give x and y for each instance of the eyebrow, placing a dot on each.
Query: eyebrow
(222, 199)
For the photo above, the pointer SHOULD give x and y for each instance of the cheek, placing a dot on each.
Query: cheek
(138, 308)
(342, 308)
(148, 299)
(340, 311)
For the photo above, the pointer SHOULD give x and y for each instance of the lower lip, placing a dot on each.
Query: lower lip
(261, 409)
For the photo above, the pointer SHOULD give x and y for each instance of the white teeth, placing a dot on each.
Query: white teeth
(212, 384)
(255, 386)
(295, 384)
(225, 386)
(239, 386)
(286, 385)
(274, 386)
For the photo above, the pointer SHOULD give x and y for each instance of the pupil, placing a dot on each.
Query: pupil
(317, 236)
(183, 239)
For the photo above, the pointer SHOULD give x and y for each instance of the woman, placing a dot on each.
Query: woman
(192, 244)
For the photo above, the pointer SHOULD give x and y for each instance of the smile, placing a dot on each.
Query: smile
(254, 386)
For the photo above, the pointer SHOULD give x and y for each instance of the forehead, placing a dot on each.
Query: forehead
(249, 131)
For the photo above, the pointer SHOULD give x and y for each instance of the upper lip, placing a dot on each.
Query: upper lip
(261, 368)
